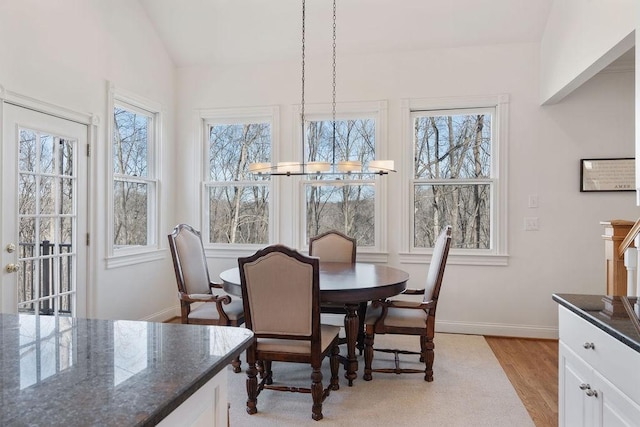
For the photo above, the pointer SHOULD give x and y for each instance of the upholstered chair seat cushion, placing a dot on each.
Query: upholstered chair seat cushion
(398, 317)
(328, 333)
(203, 311)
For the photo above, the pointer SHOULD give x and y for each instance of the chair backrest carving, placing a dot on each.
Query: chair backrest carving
(281, 293)
(438, 264)
(189, 260)
(333, 246)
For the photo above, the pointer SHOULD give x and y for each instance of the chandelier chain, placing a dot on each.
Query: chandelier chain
(302, 91)
(303, 60)
(334, 61)
(312, 166)
(333, 100)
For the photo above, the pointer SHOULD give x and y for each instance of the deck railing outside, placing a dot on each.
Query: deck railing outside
(46, 283)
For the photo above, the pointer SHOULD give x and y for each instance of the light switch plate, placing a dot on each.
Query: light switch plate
(531, 223)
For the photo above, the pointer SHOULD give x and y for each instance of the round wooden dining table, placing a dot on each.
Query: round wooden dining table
(348, 284)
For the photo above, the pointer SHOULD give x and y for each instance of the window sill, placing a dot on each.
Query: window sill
(373, 257)
(457, 259)
(130, 257)
(233, 252)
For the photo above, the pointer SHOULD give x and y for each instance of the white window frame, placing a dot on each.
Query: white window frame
(118, 257)
(208, 117)
(376, 110)
(497, 255)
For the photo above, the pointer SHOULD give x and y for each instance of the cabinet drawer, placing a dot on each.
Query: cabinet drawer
(575, 332)
(614, 360)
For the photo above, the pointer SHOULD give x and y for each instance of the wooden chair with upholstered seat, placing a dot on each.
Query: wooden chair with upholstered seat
(334, 246)
(409, 317)
(202, 301)
(281, 295)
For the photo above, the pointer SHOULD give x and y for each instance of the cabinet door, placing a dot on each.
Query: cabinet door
(574, 409)
(614, 407)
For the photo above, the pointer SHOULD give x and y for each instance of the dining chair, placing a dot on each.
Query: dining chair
(398, 316)
(334, 246)
(202, 302)
(281, 296)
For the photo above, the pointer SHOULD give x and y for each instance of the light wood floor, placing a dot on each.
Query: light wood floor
(532, 367)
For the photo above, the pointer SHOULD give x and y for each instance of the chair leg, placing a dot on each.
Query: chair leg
(268, 373)
(368, 354)
(427, 346)
(316, 392)
(236, 365)
(252, 389)
(334, 363)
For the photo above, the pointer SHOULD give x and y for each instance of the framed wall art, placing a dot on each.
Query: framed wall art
(617, 174)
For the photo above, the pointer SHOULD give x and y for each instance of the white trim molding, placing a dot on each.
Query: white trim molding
(497, 329)
(498, 254)
(48, 108)
(120, 257)
(91, 121)
(377, 110)
(207, 116)
(477, 259)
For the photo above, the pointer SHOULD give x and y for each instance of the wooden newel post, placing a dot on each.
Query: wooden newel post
(615, 232)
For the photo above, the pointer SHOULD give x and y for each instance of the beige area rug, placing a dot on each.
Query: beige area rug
(469, 389)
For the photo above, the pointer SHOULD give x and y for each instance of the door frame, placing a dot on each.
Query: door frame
(91, 121)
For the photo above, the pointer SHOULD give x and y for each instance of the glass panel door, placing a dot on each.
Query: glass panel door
(44, 224)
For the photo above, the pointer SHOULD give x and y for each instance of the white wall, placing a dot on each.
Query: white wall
(545, 146)
(63, 52)
(637, 106)
(580, 39)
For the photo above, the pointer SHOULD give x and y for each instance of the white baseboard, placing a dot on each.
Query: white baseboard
(497, 329)
(451, 327)
(163, 315)
(494, 329)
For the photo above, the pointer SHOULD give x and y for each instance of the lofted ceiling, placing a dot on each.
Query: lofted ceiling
(210, 32)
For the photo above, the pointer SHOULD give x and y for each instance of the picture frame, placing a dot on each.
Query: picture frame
(608, 174)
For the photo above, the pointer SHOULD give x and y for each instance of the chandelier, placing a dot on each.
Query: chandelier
(342, 167)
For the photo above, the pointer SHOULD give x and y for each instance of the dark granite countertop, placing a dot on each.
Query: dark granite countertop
(57, 371)
(605, 312)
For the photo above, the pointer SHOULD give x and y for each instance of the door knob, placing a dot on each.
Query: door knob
(592, 393)
(12, 268)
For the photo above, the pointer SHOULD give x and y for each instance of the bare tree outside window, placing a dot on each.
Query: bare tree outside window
(452, 180)
(238, 200)
(341, 203)
(133, 187)
(46, 209)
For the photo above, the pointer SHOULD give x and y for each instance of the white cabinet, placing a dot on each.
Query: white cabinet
(207, 407)
(574, 408)
(599, 376)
